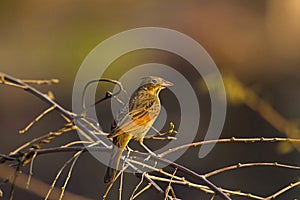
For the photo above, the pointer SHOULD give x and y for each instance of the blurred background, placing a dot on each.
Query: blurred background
(256, 42)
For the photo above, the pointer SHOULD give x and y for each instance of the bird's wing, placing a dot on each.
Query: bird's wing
(121, 114)
(135, 120)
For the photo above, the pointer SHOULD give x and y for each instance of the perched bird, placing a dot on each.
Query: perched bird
(135, 120)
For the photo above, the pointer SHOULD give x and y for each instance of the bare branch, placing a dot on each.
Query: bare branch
(289, 187)
(41, 82)
(36, 120)
(240, 165)
(231, 140)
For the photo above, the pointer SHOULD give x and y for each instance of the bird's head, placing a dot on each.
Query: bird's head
(155, 84)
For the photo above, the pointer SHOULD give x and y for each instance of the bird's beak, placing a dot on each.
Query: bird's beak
(167, 84)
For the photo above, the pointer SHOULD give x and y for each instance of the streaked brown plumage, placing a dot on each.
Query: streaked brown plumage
(135, 120)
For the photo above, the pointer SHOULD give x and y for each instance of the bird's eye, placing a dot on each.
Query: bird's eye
(154, 81)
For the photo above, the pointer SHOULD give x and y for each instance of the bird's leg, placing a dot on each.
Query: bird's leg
(129, 149)
(147, 149)
(141, 141)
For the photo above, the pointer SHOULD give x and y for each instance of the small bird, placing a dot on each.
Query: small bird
(134, 120)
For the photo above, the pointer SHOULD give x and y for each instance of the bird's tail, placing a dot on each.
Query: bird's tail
(120, 144)
(114, 161)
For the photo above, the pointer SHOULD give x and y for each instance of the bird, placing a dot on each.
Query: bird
(134, 120)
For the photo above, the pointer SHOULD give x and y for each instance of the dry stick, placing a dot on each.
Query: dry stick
(74, 158)
(180, 180)
(213, 197)
(291, 186)
(137, 186)
(148, 178)
(35, 92)
(5, 82)
(242, 165)
(57, 133)
(192, 174)
(12, 189)
(111, 184)
(169, 186)
(141, 191)
(108, 189)
(183, 181)
(69, 175)
(122, 178)
(173, 194)
(28, 155)
(205, 188)
(4, 158)
(161, 171)
(31, 170)
(229, 140)
(138, 172)
(103, 149)
(108, 94)
(146, 175)
(70, 115)
(57, 176)
(75, 143)
(36, 120)
(84, 134)
(275, 164)
(163, 136)
(195, 175)
(40, 82)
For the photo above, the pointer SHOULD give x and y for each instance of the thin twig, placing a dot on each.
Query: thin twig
(137, 186)
(76, 156)
(243, 165)
(36, 120)
(122, 178)
(35, 140)
(289, 187)
(12, 188)
(161, 171)
(76, 143)
(18, 83)
(112, 183)
(230, 140)
(142, 190)
(195, 175)
(30, 170)
(205, 188)
(169, 185)
(163, 136)
(178, 178)
(5, 82)
(41, 82)
(81, 125)
(108, 94)
(57, 177)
